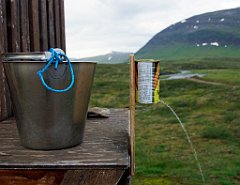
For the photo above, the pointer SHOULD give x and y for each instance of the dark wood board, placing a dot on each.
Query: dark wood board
(62, 25)
(62, 177)
(105, 146)
(13, 27)
(43, 26)
(51, 29)
(34, 25)
(57, 22)
(24, 26)
(5, 103)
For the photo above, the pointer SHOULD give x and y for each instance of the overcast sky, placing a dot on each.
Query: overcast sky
(96, 27)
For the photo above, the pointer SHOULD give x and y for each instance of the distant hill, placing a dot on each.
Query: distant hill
(214, 34)
(110, 58)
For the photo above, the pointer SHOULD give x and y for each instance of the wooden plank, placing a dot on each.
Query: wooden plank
(132, 112)
(13, 37)
(34, 25)
(2, 49)
(51, 29)
(105, 146)
(57, 23)
(43, 25)
(62, 23)
(4, 25)
(5, 103)
(24, 26)
(2, 7)
(90, 177)
(61, 177)
(31, 177)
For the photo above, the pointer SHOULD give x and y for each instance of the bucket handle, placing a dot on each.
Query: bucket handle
(56, 57)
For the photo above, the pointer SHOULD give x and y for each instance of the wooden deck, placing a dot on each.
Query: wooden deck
(103, 155)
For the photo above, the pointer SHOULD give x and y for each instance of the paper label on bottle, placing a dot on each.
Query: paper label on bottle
(145, 79)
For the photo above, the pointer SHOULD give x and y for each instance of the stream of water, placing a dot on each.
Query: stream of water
(188, 139)
(183, 74)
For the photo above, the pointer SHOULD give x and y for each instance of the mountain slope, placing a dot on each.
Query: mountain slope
(110, 58)
(214, 34)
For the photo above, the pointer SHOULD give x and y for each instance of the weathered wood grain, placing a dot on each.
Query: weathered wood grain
(2, 49)
(31, 177)
(62, 24)
(24, 26)
(132, 112)
(43, 26)
(5, 104)
(105, 146)
(62, 177)
(13, 27)
(34, 25)
(57, 22)
(3, 17)
(92, 177)
(51, 29)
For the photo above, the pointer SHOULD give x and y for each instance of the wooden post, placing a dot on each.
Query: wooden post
(132, 113)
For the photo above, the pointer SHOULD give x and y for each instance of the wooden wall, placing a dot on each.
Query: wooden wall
(28, 25)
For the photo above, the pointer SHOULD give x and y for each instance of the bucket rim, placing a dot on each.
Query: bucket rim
(34, 57)
(147, 60)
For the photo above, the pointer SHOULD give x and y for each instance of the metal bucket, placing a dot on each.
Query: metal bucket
(48, 120)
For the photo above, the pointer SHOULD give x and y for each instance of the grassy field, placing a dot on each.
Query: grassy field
(211, 114)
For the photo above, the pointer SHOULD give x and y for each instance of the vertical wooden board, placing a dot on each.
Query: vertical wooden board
(1, 27)
(51, 31)
(43, 25)
(1, 50)
(5, 101)
(13, 37)
(132, 113)
(1, 87)
(57, 25)
(4, 25)
(34, 25)
(62, 23)
(24, 26)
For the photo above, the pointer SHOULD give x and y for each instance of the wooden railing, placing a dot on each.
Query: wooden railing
(28, 25)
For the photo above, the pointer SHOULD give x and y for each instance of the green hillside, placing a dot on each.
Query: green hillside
(214, 34)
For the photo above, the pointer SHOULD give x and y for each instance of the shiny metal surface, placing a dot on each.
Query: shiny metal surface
(48, 120)
(36, 57)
